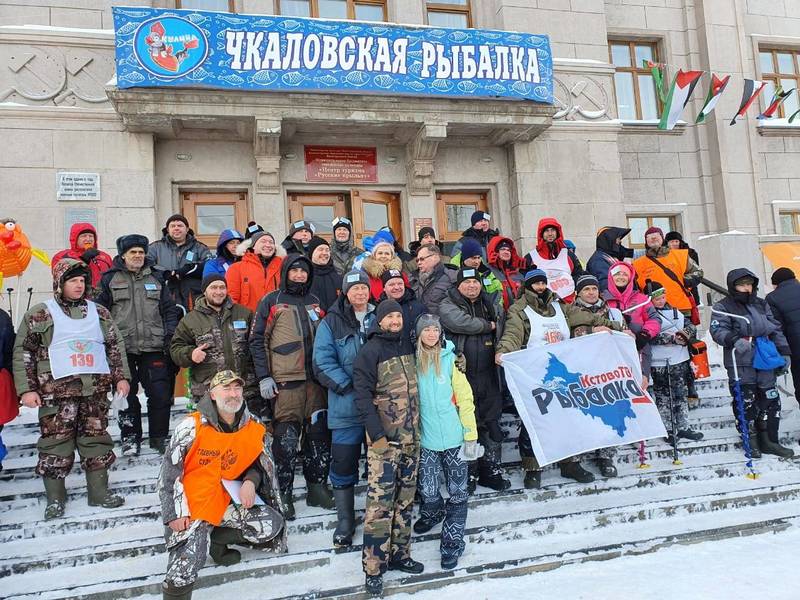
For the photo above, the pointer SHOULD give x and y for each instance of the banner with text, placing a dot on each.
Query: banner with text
(580, 395)
(186, 48)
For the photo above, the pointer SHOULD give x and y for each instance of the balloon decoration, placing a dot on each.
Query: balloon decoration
(16, 251)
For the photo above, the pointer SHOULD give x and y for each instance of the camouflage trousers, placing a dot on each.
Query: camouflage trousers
(76, 422)
(674, 404)
(260, 527)
(434, 509)
(391, 485)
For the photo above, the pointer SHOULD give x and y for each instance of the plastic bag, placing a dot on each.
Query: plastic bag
(766, 356)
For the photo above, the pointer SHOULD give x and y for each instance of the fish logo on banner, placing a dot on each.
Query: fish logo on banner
(170, 47)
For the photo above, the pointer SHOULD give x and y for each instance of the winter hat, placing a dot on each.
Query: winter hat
(505, 244)
(744, 280)
(426, 320)
(315, 243)
(467, 273)
(479, 215)
(134, 240)
(585, 280)
(673, 235)
(391, 274)
(781, 275)
(300, 225)
(252, 229)
(471, 248)
(177, 217)
(342, 222)
(383, 236)
(209, 279)
(386, 307)
(258, 235)
(534, 276)
(654, 289)
(352, 278)
(426, 231)
(657, 230)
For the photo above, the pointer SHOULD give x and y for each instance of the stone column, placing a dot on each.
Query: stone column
(420, 166)
(269, 207)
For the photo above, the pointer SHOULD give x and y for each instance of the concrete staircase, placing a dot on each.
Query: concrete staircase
(105, 554)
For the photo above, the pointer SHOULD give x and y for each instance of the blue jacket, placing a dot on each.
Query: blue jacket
(219, 265)
(446, 407)
(337, 342)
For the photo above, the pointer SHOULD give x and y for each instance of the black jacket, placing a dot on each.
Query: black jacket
(412, 309)
(607, 253)
(785, 304)
(326, 285)
(7, 337)
(468, 325)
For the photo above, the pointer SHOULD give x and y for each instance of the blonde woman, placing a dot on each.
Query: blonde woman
(447, 415)
(381, 259)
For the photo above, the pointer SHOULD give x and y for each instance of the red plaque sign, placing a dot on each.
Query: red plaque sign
(341, 164)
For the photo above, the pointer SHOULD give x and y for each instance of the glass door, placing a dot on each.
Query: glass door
(372, 210)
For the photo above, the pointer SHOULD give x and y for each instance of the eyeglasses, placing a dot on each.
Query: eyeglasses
(423, 258)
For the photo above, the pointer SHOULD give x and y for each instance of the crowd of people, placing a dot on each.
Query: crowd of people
(308, 350)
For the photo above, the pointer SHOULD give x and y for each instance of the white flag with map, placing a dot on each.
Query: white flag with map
(581, 394)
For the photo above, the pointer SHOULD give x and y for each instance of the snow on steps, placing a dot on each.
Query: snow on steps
(104, 554)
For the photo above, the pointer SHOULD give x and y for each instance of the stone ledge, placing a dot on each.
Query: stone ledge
(650, 128)
(779, 129)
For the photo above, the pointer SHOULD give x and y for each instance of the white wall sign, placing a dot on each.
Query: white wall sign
(77, 187)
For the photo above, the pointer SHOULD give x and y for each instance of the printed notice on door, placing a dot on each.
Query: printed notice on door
(341, 164)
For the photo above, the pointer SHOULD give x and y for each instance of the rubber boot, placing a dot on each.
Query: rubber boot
(56, 492)
(319, 495)
(171, 592)
(768, 438)
(289, 503)
(490, 473)
(574, 470)
(345, 513)
(533, 480)
(755, 450)
(98, 492)
(219, 551)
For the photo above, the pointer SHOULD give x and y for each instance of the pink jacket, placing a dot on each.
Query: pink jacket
(641, 318)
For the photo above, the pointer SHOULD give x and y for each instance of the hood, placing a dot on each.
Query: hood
(76, 230)
(66, 268)
(738, 274)
(375, 269)
(606, 242)
(626, 294)
(226, 236)
(517, 262)
(542, 247)
(292, 260)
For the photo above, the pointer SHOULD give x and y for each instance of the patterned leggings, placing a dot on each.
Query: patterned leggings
(434, 509)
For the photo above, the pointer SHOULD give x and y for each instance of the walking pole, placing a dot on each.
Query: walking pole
(9, 291)
(675, 459)
(744, 429)
(642, 463)
(30, 295)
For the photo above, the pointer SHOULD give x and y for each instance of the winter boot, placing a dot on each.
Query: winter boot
(159, 444)
(574, 470)
(755, 450)
(130, 446)
(449, 562)
(688, 434)
(424, 525)
(56, 498)
(533, 480)
(98, 492)
(374, 585)
(406, 565)
(319, 495)
(490, 473)
(219, 551)
(607, 467)
(768, 438)
(289, 503)
(172, 592)
(345, 512)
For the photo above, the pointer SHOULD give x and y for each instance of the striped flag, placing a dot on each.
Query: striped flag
(682, 87)
(777, 99)
(714, 92)
(752, 89)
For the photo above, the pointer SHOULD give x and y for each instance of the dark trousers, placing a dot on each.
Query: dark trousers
(796, 375)
(153, 371)
(345, 455)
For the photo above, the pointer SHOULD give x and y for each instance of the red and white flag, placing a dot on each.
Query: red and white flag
(752, 89)
(682, 87)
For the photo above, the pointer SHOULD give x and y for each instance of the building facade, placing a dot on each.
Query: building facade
(594, 158)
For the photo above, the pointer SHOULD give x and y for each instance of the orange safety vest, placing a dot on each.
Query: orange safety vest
(215, 456)
(676, 261)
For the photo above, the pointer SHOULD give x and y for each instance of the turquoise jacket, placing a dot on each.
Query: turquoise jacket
(447, 411)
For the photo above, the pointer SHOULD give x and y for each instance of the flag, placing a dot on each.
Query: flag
(682, 87)
(580, 395)
(777, 99)
(714, 92)
(657, 69)
(752, 89)
(794, 116)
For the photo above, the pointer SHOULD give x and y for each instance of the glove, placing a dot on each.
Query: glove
(642, 339)
(268, 388)
(742, 345)
(471, 450)
(89, 254)
(186, 270)
(461, 363)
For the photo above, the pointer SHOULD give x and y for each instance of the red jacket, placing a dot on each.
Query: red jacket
(510, 274)
(98, 264)
(248, 281)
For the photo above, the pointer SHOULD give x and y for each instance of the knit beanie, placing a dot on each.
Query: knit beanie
(654, 288)
(209, 279)
(352, 278)
(470, 248)
(342, 222)
(479, 215)
(673, 235)
(315, 243)
(585, 280)
(386, 307)
(781, 275)
(177, 217)
(258, 235)
(426, 231)
(391, 274)
(300, 225)
(134, 240)
(426, 320)
(657, 230)
(252, 229)
(467, 273)
(533, 276)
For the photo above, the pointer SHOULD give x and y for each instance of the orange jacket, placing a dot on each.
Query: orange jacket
(248, 280)
(676, 261)
(215, 456)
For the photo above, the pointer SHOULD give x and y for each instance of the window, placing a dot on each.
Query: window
(638, 225)
(221, 5)
(210, 213)
(359, 10)
(790, 223)
(453, 212)
(637, 97)
(781, 67)
(449, 13)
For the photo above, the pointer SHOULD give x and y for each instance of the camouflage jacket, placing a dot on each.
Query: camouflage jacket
(385, 384)
(226, 332)
(32, 358)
